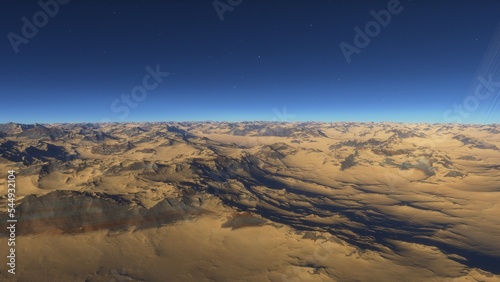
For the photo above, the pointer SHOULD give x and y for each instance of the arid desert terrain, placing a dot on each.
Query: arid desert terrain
(252, 201)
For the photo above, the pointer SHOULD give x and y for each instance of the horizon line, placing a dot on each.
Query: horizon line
(247, 121)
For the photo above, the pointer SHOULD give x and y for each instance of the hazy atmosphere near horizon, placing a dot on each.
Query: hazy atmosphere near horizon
(87, 61)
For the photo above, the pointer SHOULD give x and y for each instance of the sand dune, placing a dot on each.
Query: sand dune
(254, 201)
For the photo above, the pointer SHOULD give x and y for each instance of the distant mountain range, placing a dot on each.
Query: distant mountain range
(375, 187)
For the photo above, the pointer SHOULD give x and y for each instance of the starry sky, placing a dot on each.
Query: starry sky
(236, 60)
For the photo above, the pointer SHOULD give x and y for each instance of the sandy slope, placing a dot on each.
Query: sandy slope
(255, 202)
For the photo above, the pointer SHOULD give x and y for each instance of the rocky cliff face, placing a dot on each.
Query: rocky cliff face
(370, 186)
(76, 212)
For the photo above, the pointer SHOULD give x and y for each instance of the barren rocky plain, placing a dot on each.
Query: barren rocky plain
(252, 201)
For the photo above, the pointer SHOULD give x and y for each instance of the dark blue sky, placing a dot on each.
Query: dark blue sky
(267, 60)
